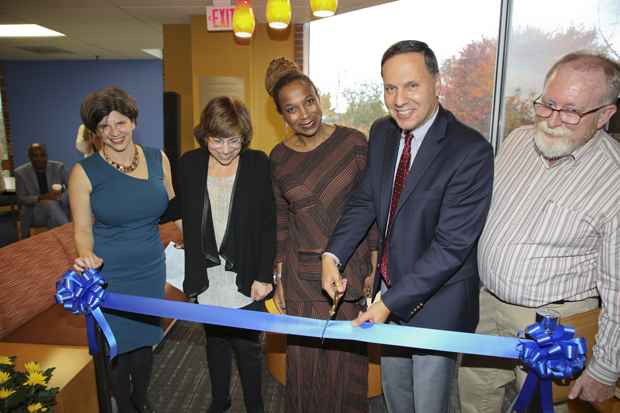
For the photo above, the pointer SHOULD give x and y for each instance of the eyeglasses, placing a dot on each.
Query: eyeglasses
(218, 142)
(568, 116)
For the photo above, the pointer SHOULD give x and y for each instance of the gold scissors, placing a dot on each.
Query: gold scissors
(332, 312)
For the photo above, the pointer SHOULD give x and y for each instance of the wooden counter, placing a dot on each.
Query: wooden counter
(74, 374)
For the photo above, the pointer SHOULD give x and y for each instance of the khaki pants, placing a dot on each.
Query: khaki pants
(482, 380)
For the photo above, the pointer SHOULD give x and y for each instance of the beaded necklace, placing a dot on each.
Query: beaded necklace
(124, 169)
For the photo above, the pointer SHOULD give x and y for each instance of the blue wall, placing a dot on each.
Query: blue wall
(44, 99)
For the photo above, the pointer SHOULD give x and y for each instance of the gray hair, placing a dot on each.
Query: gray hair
(586, 60)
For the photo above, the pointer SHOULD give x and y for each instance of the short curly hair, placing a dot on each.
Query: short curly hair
(224, 117)
(99, 104)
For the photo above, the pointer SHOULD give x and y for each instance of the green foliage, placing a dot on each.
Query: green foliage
(326, 105)
(364, 106)
(25, 392)
(468, 78)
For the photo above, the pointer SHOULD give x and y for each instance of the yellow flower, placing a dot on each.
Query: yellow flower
(32, 366)
(4, 377)
(35, 378)
(5, 360)
(34, 407)
(4, 393)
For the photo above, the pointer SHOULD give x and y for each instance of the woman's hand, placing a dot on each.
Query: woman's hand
(368, 283)
(370, 280)
(278, 298)
(87, 261)
(260, 290)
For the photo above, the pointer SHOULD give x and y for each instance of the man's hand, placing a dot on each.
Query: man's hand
(590, 390)
(378, 313)
(330, 277)
(50, 196)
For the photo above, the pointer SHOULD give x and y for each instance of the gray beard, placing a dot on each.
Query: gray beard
(563, 145)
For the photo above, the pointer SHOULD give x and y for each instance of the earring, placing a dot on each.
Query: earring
(286, 135)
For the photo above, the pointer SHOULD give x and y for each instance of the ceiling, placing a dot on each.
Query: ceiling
(116, 29)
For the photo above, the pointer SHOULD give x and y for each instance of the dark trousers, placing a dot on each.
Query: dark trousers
(221, 342)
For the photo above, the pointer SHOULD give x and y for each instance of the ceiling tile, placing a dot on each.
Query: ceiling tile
(101, 29)
(33, 4)
(8, 19)
(113, 42)
(165, 15)
(47, 16)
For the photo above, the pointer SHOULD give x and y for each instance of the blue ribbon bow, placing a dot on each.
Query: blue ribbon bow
(84, 295)
(556, 355)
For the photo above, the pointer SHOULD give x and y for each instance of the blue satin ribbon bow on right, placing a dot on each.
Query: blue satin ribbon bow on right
(557, 355)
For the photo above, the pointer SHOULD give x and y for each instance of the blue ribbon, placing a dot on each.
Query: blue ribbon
(558, 355)
(388, 334)
(84, 295)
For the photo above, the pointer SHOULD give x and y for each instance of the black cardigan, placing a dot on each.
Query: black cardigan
(249, 245)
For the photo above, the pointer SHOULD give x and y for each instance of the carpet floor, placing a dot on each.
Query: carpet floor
(180, 382)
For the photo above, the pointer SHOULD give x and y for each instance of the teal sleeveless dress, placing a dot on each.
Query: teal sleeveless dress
(126, 234)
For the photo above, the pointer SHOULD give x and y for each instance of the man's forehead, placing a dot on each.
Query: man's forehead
(580, 85)
(36, 150)
(571, 76)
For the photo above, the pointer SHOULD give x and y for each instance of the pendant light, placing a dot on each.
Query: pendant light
(243, 19)
(278, 13)
(323, 8)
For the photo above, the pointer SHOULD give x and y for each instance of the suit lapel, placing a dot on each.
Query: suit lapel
(34, 182)
(425, 156)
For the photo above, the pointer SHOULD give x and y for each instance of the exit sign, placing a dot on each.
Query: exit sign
(219, 18)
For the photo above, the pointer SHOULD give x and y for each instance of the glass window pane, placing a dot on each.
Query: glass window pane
(345, 57)
(542, 32)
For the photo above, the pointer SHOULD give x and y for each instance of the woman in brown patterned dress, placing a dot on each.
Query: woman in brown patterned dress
(315, 172)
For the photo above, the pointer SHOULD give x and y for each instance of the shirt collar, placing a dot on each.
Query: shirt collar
(420, 133)
(590, 146)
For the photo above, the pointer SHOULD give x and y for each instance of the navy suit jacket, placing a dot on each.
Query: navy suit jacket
(27, 188)
(440, 215)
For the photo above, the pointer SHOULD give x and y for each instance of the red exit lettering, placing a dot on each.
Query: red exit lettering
(222, 17)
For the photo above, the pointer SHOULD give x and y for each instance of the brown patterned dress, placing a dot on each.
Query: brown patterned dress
(312, 189)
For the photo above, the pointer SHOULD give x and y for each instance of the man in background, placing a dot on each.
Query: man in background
(552, 237)
(41, 191)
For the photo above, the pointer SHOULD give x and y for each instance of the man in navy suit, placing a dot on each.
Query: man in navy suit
(41, 204)
(429, 273)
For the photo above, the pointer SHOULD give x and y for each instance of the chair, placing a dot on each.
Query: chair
(33, 231)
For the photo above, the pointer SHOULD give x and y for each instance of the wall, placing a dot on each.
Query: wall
(44, 99)
(178, 76)
(191, 51)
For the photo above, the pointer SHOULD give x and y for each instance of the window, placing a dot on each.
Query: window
(544, 31)
(345, 57)
(345, 54)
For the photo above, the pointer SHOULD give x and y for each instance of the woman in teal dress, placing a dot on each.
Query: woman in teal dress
(126, 187)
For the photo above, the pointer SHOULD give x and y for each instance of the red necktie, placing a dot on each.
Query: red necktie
(399, 182)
